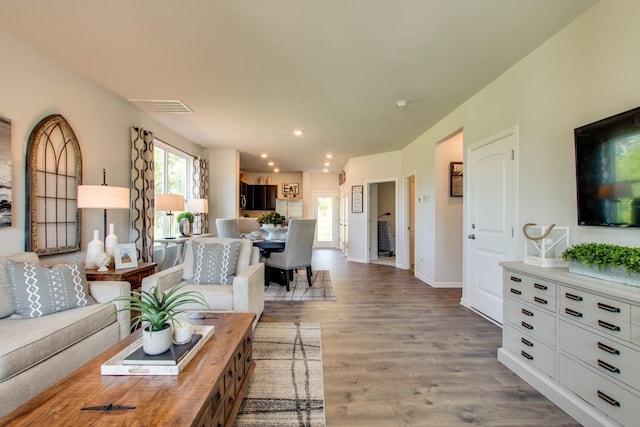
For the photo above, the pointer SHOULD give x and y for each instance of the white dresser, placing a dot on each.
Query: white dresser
(576, 340)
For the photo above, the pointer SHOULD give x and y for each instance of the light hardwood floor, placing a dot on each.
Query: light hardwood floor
(397, 352)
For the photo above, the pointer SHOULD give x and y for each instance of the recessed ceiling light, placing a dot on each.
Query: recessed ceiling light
(298, 132)
(263, 155)
(270, 163)
(276, 170)
(327, 164)
(329, 156)
(402, 103)
(325, 170)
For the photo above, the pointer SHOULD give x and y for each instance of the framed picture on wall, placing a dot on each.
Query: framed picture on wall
(357, 199)
(291, 189)
(455, 179)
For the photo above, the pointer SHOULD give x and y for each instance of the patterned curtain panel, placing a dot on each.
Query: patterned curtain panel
(200, 186)
(142, 192)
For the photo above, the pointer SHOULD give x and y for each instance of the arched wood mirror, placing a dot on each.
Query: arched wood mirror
(54, 171)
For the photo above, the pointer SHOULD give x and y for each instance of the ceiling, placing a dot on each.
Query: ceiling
(252, 71)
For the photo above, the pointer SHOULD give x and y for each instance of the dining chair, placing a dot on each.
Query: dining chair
(228, 227)
(297, 251)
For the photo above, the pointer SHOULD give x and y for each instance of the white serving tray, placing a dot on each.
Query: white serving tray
(114, 366)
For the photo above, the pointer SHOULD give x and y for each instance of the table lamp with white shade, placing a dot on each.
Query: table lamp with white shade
(198, 207)
(169, 203)
(102, 197)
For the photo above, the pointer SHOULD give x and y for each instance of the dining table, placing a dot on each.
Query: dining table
(268, 246)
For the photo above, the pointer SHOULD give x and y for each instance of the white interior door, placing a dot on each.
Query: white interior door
(491, 231)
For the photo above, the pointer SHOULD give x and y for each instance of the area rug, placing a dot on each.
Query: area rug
(286, 388)
(320, 289)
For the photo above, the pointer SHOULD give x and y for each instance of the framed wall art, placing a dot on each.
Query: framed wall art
(5, 172)
(357, 198)
(291, 189)
(455, 179)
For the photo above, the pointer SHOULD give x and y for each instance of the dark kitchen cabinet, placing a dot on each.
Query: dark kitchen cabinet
(261, 197)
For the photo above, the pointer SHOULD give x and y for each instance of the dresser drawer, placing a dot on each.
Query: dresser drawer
(612, 399)
(530, 320)
(603, 314)
(540, 293)
(617, 361)
(530, 349)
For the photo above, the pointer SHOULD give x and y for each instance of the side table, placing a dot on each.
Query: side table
(132, 275)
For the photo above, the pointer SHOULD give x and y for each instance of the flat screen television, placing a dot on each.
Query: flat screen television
(608, 171)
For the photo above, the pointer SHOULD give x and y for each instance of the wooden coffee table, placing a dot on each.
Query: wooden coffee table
(208, 392)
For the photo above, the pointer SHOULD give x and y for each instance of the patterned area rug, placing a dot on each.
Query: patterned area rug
(286, 388)
(320, 290)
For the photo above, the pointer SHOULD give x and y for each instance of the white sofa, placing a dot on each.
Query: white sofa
(37, 352)
(245, 293)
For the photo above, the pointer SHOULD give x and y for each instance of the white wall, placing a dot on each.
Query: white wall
(224, 185)
(361, 171)
(33, 87)
(449, 219)
(585, 72)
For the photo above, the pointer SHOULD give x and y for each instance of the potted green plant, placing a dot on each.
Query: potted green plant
(271, 218)
(156, 313)
(185, 221)
(605, 261)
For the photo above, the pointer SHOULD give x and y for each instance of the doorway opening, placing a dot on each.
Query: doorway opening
(382, 223)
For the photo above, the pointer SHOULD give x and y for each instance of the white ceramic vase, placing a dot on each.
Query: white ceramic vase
(94, 247)
(110, 242)
(157, 342)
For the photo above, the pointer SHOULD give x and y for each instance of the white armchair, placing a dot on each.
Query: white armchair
(244, 294)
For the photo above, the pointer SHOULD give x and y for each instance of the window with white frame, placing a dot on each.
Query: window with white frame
(172, 169)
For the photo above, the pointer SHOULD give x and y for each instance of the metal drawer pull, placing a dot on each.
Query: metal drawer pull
(540, 300)
(608, 349)
(526, 325)
(610, 400)
(515, 291)
(608, 308)
(515, 279)
(573, 297)
(572, 312)
(526, 342)
(608, 367)
(608, 326)
(526, 355)
(527, 312)
(539, 286)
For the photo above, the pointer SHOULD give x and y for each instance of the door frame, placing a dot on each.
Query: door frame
(372, 215)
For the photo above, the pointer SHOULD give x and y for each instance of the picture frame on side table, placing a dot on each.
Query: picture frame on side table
(357, 199)
(125, 255)
(455, 179)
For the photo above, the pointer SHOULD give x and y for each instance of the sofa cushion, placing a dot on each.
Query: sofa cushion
(214, 263)
(27, 342)
(242, 262)
(7, 307)
(217, 297)
(39, 290)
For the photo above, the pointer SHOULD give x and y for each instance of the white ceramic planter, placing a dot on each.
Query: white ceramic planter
(157, 342)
